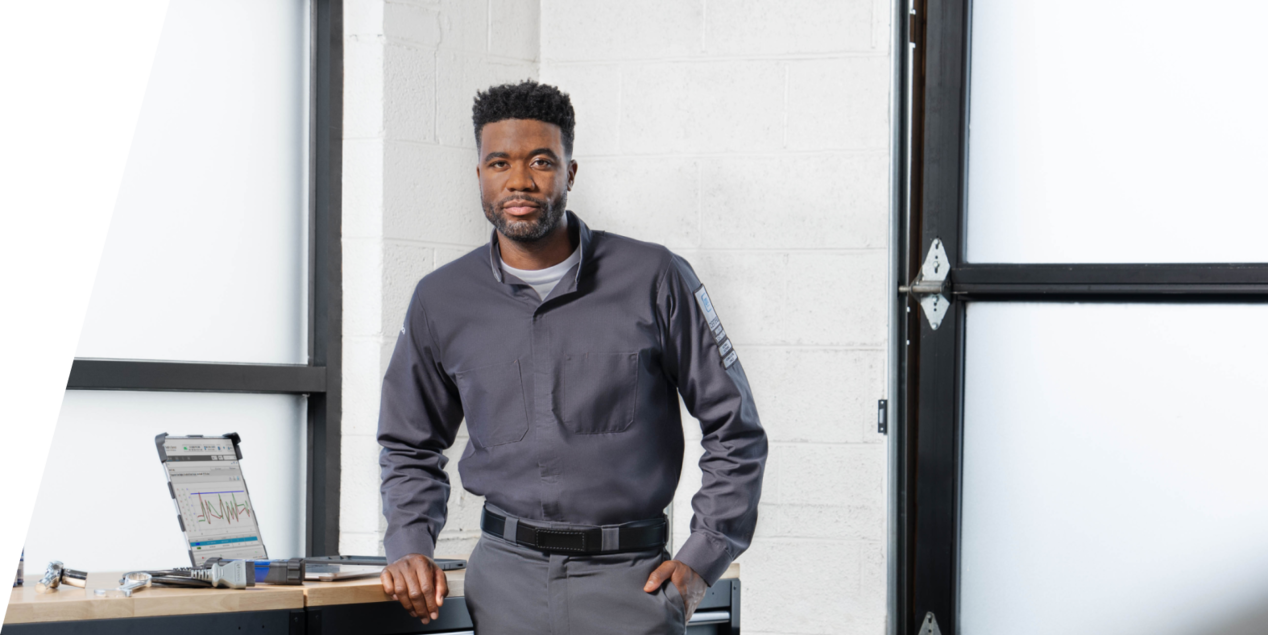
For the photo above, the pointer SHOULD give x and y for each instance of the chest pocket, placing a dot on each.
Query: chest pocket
(599, 392)
(493, 402)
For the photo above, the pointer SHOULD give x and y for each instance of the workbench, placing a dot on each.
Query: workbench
(315, 608)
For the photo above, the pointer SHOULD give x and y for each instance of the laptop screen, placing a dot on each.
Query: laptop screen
(211, 498)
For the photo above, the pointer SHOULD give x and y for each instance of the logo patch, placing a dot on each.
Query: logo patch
(725, 350)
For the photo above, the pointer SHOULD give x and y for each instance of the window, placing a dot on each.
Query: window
(217, 305)
(1074, 446)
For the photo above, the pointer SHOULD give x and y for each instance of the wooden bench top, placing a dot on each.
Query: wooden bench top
(72, 603)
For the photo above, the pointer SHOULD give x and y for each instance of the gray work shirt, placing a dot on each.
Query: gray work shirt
(571, 402)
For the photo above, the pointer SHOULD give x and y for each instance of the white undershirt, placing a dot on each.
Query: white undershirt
(543, 281)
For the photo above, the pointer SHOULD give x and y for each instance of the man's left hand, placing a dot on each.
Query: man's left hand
(690, 585)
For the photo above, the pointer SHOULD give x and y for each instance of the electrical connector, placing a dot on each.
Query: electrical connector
(235, 574)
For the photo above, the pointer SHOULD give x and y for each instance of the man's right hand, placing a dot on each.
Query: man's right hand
(418, 584)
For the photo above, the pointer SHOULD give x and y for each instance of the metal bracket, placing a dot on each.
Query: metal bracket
(930, 625)
(930, 284)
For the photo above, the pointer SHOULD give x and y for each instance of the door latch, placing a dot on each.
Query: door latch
(929, 287)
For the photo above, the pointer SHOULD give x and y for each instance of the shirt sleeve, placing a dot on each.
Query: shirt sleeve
(419, 416)
(702, 362)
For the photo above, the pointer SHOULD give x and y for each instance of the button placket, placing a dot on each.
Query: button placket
(547, 462)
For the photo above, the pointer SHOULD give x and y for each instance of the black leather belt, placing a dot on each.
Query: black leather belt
(641, 534)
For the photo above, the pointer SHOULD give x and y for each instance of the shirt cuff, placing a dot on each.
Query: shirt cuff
(705, 556)
(403, 542)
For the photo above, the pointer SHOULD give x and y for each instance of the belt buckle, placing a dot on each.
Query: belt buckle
(565, 540)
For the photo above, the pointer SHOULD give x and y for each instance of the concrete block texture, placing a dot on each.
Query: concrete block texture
(404, 264)
(363, 188)
(816, 395)
(828, 309)
(464, 25)
(802, 586)
(831, 522)
(702, 107)
(801, 298)
(362, 287)
(363, 361)
(359, 501)
(459, 76)
(846, 474)
(432, 195)
(822, 200)
(839, 104)
(412, 23)
(515, 29)
(363, 17)
(361, 544)
(409, 93)
(595, 91)
(363, 87)
(599, 30)
(654, 199)
(788, 27)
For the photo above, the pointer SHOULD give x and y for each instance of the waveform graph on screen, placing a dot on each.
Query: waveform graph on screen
(221, 508)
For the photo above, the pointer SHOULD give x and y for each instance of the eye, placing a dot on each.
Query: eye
(497, 164)
(542, 163)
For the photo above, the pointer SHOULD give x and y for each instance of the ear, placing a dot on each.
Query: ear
(572, 173)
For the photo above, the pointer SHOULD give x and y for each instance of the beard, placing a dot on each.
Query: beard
(527, 230)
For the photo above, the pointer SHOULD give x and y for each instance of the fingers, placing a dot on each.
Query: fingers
(400, 591)
(389, 587)
(418, 584)
(442, 585)
(422, 591)
(658, 577)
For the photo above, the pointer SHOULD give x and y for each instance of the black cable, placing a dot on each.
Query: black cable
(178, 577)
(178, 581)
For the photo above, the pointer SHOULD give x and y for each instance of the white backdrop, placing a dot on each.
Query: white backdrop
(1113, 469)
(205, 256)
(204, 261)
(1101, 132)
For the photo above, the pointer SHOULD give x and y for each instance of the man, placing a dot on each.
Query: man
(565, 349)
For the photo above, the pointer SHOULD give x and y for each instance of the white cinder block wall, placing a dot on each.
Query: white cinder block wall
(411, 203)
(750, 136)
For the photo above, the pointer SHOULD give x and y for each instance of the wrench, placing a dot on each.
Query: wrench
(133, 581)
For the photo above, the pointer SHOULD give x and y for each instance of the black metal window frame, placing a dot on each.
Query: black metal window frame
(319, 380)
(931, 101)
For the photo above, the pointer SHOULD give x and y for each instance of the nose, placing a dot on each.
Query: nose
(521, 180)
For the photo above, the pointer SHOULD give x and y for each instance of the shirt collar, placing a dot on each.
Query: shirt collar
(576, 229)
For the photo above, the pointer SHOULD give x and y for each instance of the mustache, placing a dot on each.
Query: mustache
(539, 202)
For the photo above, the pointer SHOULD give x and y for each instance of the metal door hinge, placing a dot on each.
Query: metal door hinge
(882, 417)
(930, 284)
(930, 625)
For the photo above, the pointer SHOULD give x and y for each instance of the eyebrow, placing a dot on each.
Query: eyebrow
(502, 155)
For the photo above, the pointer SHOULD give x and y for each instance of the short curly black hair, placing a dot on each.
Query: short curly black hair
(525, 100)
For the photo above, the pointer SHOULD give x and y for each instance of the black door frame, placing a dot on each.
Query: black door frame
(320, 378)
(931, 146)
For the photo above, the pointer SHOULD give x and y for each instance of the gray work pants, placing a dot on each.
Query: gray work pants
(518, 590)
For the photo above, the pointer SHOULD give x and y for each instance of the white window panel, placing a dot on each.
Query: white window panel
(1109, 131)
(1114, 469)
(205, 259)
(103, 502)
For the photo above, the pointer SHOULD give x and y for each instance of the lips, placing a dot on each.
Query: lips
(520, 207)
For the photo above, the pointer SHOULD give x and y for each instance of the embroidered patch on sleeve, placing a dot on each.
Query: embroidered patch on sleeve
(725, 349)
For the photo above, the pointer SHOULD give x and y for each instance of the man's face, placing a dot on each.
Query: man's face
(524, 177)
